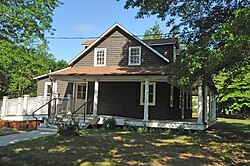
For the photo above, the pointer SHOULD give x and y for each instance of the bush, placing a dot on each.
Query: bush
(67, 125)
(109, 123)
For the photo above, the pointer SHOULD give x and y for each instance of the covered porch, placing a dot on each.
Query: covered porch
(144, 114)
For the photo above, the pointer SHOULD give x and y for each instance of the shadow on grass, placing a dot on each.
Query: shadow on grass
(130, 148)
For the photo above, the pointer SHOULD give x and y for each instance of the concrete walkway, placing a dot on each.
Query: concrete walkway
(13, 138)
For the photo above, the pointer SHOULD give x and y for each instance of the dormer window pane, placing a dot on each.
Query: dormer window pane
(134, 55)
(100, 57)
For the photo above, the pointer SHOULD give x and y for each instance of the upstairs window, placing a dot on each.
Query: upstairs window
(100, 57)
(134, 57)
(151, 93)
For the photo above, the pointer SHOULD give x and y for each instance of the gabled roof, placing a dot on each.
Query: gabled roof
(107, 32)
(156, 42)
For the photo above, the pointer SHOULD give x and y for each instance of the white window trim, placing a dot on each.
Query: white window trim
(95, 56)
(181, 99)
(154, 93)
(129, 58)
(46, 88)
(171, 98)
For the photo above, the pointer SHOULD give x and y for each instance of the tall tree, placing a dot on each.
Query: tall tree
(154, 33)
(23, 47)
(215, 37)
(196, 23)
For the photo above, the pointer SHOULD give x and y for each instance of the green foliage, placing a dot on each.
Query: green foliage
(109, 123)
(25, 21)
(234, 89)
(67, 125)
(154, 33)
(24, 52)
(215, 38)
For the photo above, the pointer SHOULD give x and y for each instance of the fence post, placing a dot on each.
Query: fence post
(4, 106)
(19, 106)
(25, 104)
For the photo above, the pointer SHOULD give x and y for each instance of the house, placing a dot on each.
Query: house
(125, 77)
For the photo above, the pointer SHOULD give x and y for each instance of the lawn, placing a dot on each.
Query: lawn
(226, 143)
(8, 131)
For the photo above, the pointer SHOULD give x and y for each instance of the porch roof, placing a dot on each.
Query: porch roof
(112, 70)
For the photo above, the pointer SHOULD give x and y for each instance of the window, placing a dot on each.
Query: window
(100, 57)
(172, 96)
(134, 56)
(180, 99)
(81, 91)
(47, 89)
(151, 93)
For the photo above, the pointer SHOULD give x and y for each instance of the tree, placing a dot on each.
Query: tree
(196, 23)
(154, 33)
(23, 46)
(215, 37)
(26, 21)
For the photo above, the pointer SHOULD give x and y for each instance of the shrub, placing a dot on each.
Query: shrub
(67, 125)
(109, 123)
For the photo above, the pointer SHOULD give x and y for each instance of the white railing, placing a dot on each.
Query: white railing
(27, 105)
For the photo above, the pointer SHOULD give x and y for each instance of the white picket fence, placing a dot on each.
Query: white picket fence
(24, 106)
(27, 105)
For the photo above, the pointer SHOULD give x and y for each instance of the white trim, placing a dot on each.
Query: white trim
(146, 98)
(160, 44)
(171, 98)
(129, 56)
(54, 72)
(109, 30)
(95, 104)
(95, 56)
(46, 84)
(154, 93)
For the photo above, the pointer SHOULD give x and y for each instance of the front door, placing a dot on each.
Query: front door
(80, 96)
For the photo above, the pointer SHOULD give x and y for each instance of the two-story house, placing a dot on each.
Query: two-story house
(126, 79)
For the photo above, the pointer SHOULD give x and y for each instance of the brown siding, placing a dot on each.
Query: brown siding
(165, 48)
(117, 44)
(63, 87)
(123, 99)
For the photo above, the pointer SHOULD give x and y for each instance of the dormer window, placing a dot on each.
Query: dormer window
(134, 57)
(100, 57)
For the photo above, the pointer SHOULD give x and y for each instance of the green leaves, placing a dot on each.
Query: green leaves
(154, 33)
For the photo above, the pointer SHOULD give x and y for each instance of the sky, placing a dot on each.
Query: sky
(91, 18)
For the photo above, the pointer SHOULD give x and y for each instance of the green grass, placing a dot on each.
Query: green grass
(226, 143)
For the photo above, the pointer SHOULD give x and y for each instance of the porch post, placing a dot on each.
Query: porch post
(4, 106)
(200, 102)
(206, 104)
(95, 98)
(145, 117)
(25, 104)
(214, 108)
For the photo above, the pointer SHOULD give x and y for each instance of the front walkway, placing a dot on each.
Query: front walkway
(13, 138)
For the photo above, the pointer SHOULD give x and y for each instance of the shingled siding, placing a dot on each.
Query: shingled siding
(63, 87)
(117, 44)
(123, 99)
(165, 50)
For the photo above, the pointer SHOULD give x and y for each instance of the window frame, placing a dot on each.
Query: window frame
(95, 56)
(142, 93)
(129, 56)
